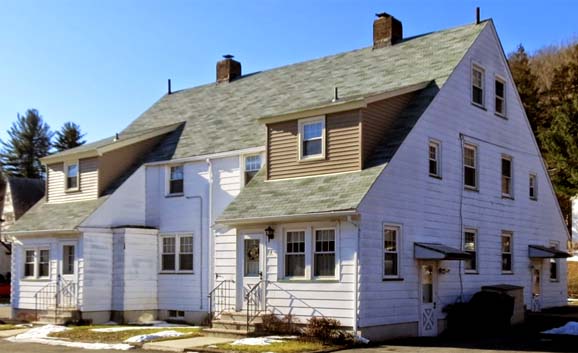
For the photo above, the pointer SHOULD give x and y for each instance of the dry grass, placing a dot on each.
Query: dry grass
(573, 279)
(84, 334)
(9, 327)
(289, 346)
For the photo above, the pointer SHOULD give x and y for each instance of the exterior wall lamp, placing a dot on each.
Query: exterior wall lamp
(270, 233)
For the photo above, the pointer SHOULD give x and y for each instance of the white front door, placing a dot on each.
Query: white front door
(427, 290)
(536, 285)
(252, 263)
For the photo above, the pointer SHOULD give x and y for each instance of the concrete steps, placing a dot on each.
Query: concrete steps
(234, 325)
(50, 317)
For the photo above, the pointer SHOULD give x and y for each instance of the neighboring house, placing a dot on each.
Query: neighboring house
(397, 179)
(17, 195)
(574, 218)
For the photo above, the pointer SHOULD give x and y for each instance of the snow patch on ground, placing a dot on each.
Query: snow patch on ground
(261, 341)
(40, 335)
(571, 328)
(154, 336)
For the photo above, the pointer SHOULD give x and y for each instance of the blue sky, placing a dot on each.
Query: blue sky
(102, 63)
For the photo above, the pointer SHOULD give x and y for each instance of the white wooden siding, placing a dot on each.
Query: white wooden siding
(97, 277)
(88, 182)
(429, 208)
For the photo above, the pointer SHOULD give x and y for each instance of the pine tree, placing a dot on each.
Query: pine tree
(29, 140)
(526, 83)
(68, 137)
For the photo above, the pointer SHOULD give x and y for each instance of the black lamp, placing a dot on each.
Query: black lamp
(270, 233)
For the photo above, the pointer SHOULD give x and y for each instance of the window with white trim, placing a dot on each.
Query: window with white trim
(533, 186)
(324, 253)
(507, 251)
(477, 86)
(391, 242)
(470, 167)
(176, 180)
(176, 253)
(68, 255)
(507, 176)
(72, 176)
(37, 263)
(434, 159)
(251, 166)
(500, 97)
(312, 138)
(554, 264)
(470, 246)
(295, 254)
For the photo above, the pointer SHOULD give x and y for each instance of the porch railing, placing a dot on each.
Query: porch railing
(220, 299)
(254, 301)
(56, 296)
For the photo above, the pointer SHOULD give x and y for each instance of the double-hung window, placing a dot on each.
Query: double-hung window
(177, 253)
(470, 167)
(434, 153)
(470, 246)
(507, 250)
(176, 180)
(391, 243)
(478, 86)
(324, 254)
(295, 254)
(312, 138)
(252, 166)
(507, 176)
(71, 170)
(533, 187)
(500, 99)
(37, 263)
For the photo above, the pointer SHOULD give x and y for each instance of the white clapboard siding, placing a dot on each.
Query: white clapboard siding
(88, 181)
(97, 278)
(428, 209)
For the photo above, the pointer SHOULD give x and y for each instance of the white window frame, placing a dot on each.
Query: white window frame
(479, 68)
(244, 166)
(74, 262)
(475, 167)
(66, 165)
(36, 263)
(301, 125)
(177, 252)
(556, 245)
(168, 180)
(502, 80)
(438, 158)
(314, 252)
(508, 234)
(511, 177)
(398, 243)
(534, 188)
(476, 249)
(306, 272)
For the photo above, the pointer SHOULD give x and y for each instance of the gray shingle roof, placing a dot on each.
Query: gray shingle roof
(223, 117)
(25, 193)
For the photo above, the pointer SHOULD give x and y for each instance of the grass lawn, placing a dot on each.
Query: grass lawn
(289, 346)
(84, 334)
(9, 327)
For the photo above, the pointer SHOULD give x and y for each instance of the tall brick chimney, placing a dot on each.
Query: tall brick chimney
(228, 69)
(387, 30)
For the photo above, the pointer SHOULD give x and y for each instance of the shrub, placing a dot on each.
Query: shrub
(323, 329)
(272, 323)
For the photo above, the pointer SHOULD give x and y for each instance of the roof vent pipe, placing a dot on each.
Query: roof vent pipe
(335, 94)
(478, 15)
(169, 88)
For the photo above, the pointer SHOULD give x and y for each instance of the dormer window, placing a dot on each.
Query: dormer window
(312, 138)
(71, 170)
(478, 86)
(176, 180)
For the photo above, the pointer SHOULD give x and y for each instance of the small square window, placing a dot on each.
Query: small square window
(176, 180)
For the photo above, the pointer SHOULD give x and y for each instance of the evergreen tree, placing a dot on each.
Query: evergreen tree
(68, 137)
(526, 83)
(29, 140)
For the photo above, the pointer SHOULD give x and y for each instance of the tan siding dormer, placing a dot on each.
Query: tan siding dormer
(342, 148)
(88, 182)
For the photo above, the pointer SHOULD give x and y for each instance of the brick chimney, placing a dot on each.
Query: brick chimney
(387, 30)
(228, 69)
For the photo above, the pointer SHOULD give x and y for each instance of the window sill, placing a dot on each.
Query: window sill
(311, 159)
(177, 273)
(304, 280)
(480, 106)
(181, 194)
(471, 188)
(72, 191)
(471, 272)
(392, 279)
(507, 273)
(506, 197)
(533, 198)
(554, 280)
(503, 116)
(436, 176)
(34, 279)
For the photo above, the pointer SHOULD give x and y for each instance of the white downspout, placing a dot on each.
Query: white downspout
(356, 277)
(210, 227)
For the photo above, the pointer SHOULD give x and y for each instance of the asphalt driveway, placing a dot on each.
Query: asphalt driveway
(9, 347)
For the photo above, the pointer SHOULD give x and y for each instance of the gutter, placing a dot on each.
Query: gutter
(208, 157)
(296, 217)
(43, 232)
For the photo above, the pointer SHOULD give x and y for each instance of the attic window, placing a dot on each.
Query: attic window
(312, 138)
(176, 180)
(478, 86)
(71, 176)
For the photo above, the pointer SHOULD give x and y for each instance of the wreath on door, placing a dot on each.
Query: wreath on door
(253, 253)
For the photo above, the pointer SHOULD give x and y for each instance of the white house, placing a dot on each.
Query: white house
(397, 179)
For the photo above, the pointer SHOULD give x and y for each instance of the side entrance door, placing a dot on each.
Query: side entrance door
(427, 290)
(252, 265)
(536, 285)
